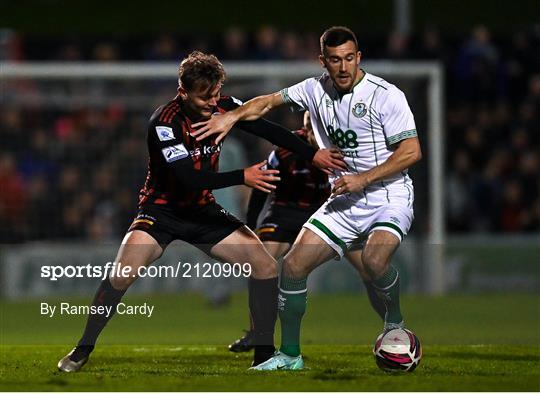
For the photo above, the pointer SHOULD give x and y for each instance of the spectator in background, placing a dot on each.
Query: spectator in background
(14, 137)
(519, 65)
(235, 44)
(478, 66)
(511, 213)
(459, 189)
(44, 207)
(431, 46)
(105, 52)
(533, 101)
(291, 46)
(38, 157)
(12, 200)
(10, 46)
(163, 49)
(310, 46)
(266, 47)
(71, 52)
(527, 174)
(397, 46)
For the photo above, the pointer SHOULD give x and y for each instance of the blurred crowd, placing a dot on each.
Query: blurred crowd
(75, 174)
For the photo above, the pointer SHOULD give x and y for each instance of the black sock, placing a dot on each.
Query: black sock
(376, 302)
(263, 296)
(106, 296)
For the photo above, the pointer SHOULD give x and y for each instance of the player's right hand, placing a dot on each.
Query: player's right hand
(258, 176)
(328, 160)
(219, 124)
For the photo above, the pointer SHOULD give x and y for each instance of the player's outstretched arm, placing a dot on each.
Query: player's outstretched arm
(255, 176)
(407, 153)
(251, 110)
(324, 159)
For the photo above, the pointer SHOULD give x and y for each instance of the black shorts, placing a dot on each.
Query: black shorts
(202, 227)
(282, 224)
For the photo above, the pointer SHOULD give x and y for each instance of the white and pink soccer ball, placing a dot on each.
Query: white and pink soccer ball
(397, 350)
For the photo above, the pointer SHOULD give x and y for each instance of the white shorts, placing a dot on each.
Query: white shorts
(344, 220)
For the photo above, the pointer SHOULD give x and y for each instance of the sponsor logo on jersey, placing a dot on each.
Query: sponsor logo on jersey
(144, 218)
(304, 171)
(350, 153)
(175, 152)
(164, 133)
(359, 110)
(207, 150)
(328, 103)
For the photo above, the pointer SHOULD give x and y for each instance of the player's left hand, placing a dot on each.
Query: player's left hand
(218, 124)
(329, 159)
(349, 184)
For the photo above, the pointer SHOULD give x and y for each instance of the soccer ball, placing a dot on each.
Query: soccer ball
(397, 350)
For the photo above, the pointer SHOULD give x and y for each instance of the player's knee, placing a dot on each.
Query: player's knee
(293, 268)
(263, 266)
(374, 264)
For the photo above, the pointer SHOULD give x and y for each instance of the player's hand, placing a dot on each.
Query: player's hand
(258, 176)
(349, 184)
(218, 124)
(329, 159)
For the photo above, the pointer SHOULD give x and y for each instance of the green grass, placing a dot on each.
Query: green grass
(470, 343)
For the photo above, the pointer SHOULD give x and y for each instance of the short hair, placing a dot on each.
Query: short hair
(337, 35)
(200, 70)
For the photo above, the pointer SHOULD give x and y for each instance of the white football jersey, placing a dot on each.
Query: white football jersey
(363, 124)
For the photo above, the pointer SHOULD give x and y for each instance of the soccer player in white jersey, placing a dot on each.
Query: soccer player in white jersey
(370, 122)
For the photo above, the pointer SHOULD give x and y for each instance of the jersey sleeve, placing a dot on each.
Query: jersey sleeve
(397, 118)
(297, 96)
(166, 140)
(165, 137)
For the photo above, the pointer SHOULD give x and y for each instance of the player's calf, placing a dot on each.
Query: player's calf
(376, 256)
(243, 246)
(139, 249)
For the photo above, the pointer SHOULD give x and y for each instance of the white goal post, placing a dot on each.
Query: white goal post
(297, 70)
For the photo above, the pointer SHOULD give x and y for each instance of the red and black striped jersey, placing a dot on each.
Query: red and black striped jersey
(169, 143)
(302, 185)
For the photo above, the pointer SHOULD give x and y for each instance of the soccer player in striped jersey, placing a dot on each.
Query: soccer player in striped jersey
(370, 122)
(176, 202)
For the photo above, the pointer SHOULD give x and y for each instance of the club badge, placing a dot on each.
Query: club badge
(359, 110)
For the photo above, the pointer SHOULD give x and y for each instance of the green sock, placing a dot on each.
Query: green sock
(291, 306)
(387, 288)
(375, 301)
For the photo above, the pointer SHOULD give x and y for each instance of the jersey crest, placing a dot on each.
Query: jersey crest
(359, 110)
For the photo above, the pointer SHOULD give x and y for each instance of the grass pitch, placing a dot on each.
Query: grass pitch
(470, 343)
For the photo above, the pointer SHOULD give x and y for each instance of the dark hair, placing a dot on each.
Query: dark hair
(200, 70)
(337, 35)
